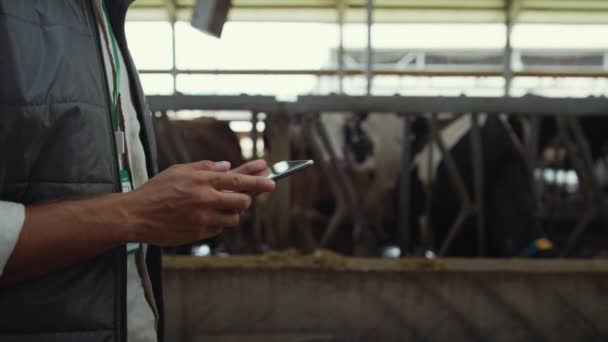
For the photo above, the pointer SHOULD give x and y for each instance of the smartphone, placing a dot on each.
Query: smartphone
(285, 168)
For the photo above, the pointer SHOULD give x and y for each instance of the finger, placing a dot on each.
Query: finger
(252, 168)
(234, 201)
(263, 173)
(241, 183)
(222, 218)
(207, 165)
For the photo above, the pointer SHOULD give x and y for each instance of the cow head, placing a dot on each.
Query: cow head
(358, 144)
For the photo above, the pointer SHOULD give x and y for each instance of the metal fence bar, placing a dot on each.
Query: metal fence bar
(255, 220)
(531, 105)
(341, 9)
(428, 220)
(580, 155)
(254, 135)
(508, 51)
(404, 188)
(534, 105)
(267, 104)
(478, 183)
(369, 69)
(466, 208)
(480, 72)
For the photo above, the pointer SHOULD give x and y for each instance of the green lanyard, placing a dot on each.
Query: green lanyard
(116, 92)
(125, 179)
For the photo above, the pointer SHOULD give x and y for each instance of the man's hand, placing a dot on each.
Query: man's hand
(183, 204)
(192, 202)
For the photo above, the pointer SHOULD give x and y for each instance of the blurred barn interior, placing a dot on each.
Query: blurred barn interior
(454, 141)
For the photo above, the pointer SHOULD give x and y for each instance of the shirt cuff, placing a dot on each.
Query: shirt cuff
(12, 217)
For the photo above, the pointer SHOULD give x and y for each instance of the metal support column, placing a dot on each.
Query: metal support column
(172, 9)
(404, 188)
(508, 53)
(478, 183)
(254, 209)
(254, 135)
(369, 72)
(341, 13)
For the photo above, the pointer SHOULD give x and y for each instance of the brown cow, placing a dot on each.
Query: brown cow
(204, 139)
(295, 214)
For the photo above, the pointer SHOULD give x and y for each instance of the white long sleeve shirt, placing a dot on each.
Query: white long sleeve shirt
(12, 217)
(141, 318)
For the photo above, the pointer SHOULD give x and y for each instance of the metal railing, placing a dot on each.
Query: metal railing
(565, 110)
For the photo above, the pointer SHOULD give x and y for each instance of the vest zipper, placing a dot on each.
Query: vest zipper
(120, 255)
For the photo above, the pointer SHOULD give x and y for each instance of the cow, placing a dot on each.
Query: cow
(203, 139)
(369, 147)
(321, 218)
(293, 214)
(511, 212)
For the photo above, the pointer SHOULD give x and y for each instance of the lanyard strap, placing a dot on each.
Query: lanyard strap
(119, 135)
(116, 92)
(125, 180)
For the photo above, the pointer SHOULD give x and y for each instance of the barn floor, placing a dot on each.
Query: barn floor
(324, 297)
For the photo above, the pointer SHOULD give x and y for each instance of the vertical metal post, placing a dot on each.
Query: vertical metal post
(172, 12)
(341, 14)
(369, 72)
(277, 212)
(173, 66)
(508, 53)
(404, 189)
(533, 141)
(478, 183)
(254, 211)
(254, 135)
(428, 188)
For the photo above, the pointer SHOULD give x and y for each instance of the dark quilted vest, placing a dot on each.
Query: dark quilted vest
(56, 143)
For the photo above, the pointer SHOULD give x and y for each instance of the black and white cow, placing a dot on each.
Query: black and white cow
(370, 147)
(512, 224)
(511, 212)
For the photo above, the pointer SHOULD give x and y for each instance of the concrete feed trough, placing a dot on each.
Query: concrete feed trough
(324, 297)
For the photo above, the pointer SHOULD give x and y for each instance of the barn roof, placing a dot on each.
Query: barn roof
(391, 11)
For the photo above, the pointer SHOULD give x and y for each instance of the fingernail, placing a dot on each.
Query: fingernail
(222, 164)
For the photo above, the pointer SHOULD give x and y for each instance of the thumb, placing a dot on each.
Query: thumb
(207, 165)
